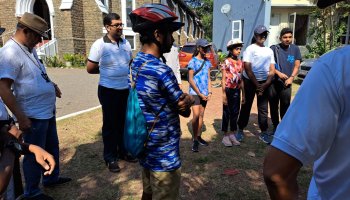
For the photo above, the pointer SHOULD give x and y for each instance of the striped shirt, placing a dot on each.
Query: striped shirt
(156, 86)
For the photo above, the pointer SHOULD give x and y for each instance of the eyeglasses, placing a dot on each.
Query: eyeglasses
(117, 25)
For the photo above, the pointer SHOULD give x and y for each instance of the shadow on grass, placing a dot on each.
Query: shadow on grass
(203, 176)
(91, 178)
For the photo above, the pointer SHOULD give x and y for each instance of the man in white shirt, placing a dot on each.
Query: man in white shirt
(110, 57)
(315, 130)
(33, 104)
(172, 60)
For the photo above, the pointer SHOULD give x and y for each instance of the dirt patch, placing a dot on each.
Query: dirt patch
(203, 176)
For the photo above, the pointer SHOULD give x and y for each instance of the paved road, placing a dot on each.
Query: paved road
(79, 90)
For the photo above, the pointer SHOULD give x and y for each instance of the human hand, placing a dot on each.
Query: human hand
(243, 100)
(24, 123)
(57, 90)
(15, 131)
(43, 158)
(288, 82)
(209, 96)
(224, 99)
(282, 76)
(203, 97)
(185, 102)
(259, 90)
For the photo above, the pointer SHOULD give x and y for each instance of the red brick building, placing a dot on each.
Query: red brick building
(76, 24)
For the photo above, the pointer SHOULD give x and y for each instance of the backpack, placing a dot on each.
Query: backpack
(135, 127)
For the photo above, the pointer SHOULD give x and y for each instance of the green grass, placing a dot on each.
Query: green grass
(203, 175)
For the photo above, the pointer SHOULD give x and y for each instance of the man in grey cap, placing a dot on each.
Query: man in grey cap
(34, 101)
(315, 131)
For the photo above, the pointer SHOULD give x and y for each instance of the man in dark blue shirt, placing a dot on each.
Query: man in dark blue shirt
(287, 58)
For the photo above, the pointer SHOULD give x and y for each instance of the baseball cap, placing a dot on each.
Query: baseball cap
(260, 29)
(326, 3)
(202, 43)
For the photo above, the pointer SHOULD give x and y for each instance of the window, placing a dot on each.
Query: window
(127, 7)
(131, 39)
(345, 37)
(237, 29)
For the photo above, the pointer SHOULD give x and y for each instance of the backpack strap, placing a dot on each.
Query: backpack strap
(202, 65)
(132, 82)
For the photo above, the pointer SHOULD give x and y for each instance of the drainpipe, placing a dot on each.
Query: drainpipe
(267, 16)
(347, 35)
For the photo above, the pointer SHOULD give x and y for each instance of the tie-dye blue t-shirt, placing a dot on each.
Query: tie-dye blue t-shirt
(201, 78)
(156, 86)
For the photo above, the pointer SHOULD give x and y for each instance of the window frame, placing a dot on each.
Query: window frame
(124, 14)
(239, 29)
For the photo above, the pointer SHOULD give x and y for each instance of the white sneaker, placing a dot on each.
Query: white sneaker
(226, 141)
(233, 140)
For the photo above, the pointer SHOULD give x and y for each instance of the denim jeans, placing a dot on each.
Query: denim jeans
(250, 91)
(44, 134)
(113, 110)
(231, 110)
(279, 96)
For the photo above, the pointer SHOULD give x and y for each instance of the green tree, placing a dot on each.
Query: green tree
(204, 10)
(327, 29)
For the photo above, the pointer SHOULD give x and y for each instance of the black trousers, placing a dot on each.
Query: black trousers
(280, 95)
(231, 110)
(113, 109)
(250, 91)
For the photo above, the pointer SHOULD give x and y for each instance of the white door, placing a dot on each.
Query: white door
(292, 18)
(274, 29)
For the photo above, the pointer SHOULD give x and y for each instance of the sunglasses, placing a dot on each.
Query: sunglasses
(117, 25)
(263, 35)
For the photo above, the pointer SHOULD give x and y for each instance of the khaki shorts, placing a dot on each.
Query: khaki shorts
(162, 185)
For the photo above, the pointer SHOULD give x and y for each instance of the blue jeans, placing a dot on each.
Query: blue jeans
(44, 134)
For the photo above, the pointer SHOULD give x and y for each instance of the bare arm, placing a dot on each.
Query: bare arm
(209, 85)
(290, 79)
(223, 86)
(10, 101)
(280, 174)
(92, 67)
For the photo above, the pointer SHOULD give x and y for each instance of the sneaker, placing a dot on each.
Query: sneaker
(195, 146)
(265, 138)
(234, 140)
(113, 167)
(38, 197)
(226, 141)
(60, 181)
(202, 142)
(239, 135)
